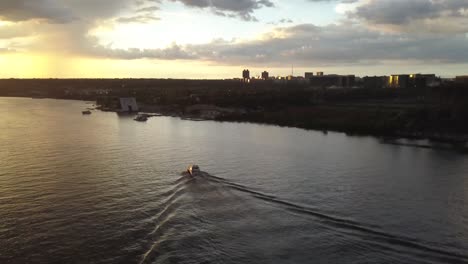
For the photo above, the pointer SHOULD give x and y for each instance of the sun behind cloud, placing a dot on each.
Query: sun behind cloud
(72, 38)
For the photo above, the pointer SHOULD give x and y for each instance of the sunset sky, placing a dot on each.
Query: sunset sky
(219, 38)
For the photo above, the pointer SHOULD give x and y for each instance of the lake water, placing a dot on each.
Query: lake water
(106, 189)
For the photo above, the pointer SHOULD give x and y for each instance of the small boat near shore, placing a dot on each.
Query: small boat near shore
(87, 112)
(193, 170)
(193, 119)
(141, 118)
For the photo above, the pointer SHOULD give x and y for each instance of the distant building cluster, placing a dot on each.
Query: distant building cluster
(403, 81)
(330, 81)
(246, 75)
(462, 79)
(317, 80)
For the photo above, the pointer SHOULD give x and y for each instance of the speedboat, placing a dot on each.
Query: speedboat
(141, 118)
(193, 170)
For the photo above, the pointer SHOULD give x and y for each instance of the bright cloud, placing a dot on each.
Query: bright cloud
(268, 33)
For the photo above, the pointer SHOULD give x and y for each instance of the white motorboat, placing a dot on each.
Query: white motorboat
(193, 170)
(141, 118)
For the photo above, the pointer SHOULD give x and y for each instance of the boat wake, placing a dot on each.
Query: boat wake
(371, 234)
(192, 211)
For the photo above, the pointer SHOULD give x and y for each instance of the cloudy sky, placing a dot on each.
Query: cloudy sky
(218, 38)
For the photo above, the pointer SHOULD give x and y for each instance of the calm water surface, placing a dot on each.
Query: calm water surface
(107, 189)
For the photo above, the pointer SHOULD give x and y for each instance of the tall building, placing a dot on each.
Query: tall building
(412, 81)
(320, 74)
(399, 81)
(308, 75)
(246, 75)
(371, 82)
(421, 81)
(462, 79)
(265, 75)
(333, 80)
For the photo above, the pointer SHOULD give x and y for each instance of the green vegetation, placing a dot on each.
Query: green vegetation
(440, 112)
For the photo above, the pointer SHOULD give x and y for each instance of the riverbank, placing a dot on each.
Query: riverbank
(388, 122)
(391, 123)
(438, 113)
(352, 120)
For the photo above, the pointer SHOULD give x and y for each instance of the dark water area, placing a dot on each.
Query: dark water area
(106, 189)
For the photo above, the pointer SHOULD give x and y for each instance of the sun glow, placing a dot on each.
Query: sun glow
(5, 23)
(27, 65)
(23, 66)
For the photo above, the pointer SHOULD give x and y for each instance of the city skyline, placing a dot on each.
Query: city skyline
(214, 39)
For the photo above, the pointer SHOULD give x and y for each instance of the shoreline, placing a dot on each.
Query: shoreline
(457, 141)
(357, 118)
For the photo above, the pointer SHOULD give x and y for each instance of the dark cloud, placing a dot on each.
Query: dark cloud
(339, 44)
(424, 14)
(103, 9)
(230, 8)
(173, 52)
(229, 5)
(355, 41)
(307, 44)
(66, 11)
(397, 11)
(341, 1)
(20, 10)
(148, 9)
(12, 31)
